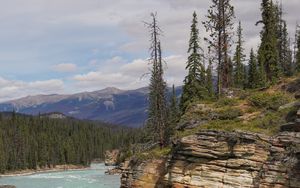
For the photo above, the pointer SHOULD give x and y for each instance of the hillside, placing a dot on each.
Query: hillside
(249, 138)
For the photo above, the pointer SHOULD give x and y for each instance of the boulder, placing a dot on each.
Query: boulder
(291, 127)
(290, 105)
(297, 95)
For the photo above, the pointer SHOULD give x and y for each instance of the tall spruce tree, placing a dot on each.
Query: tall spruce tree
(219, 24)
(283, 43)
(268, 51)
(239, 57)
(209, 80)
(230, 73)
(287, 54)
(173, 108)
(157, 111)
(194, 83)
(253, 72)
(297, 52)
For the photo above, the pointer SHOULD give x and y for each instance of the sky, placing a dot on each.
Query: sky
(68, 46)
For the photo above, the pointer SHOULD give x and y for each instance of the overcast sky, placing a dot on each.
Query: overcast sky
(67, 46)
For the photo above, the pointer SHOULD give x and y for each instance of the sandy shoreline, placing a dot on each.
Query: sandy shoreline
(57, 168)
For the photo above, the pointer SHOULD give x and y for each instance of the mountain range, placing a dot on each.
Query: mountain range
(122, 107)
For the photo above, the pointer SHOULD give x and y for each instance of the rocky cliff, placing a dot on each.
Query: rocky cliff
(210, 153)
(222, 159)
(111, 157)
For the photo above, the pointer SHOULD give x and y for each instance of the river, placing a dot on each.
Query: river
(87, 178)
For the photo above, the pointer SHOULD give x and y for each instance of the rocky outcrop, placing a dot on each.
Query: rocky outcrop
(293, 126)
(144, 174)
(111, 157)
(222, 159)
(7, 186)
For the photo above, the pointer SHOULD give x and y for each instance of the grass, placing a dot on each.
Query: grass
(268, 101)
(268, 123)
(228, 113)
(155, 153)
(226, 102)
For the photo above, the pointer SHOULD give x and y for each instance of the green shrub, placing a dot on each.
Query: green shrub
(155, 153)
(268, 101)
(226, 102)
(229, 113)
(251, 109)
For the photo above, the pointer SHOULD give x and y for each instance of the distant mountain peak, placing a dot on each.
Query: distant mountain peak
(111, 90)
(111, 104)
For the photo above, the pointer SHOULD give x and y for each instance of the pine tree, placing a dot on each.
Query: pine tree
(209, 80)
(2, 154)
(253, 71)
(287, 60)
(279, 33)
(245, 73)
(194, 83)
(173, 108)
(157, 120)
(230, 72)
(297, 52)
(239, 57)
(219, 24)
(283, 44)
(268, 51)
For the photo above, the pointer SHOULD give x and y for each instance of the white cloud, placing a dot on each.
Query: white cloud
(11, 89)
(65, 67)
(86, 32)
(131, 75)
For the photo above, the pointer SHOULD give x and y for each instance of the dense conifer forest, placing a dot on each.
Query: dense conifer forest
(28, 142)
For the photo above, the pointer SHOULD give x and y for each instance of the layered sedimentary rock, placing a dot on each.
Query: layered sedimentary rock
(144, 174)
(111, 157)
(222, 159)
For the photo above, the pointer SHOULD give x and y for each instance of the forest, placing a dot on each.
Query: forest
(28, 142)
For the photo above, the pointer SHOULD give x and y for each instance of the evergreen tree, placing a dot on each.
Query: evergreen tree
(157, 110)
(283, 44)
(268, 51)
(287, 59)
(230, 72)
(297, 52)
(194, 83)
(253, 72)
(209, 80)
(245, 84)
(239, 57)
(174, 111)
(219, 24)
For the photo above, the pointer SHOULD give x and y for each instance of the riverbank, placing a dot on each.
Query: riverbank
(57, 168)
(93, 177)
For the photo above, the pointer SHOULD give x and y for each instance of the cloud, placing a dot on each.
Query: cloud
(65, 67)
(131, 75)
(106, 40)
(11, 89)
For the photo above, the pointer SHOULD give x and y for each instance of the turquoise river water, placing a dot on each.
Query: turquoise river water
(88, 178)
